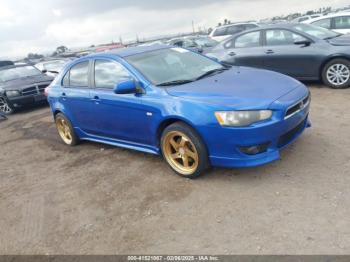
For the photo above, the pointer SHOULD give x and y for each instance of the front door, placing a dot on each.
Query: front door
(284, 56)
(118, 116)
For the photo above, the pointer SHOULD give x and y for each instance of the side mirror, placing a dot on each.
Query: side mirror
(127, 86)
(44, 71)
(303, 42)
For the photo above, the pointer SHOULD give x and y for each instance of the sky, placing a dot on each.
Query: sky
(40, 26)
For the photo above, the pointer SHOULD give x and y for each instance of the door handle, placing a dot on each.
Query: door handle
(232, 54)
(270, 51)
(96, 99)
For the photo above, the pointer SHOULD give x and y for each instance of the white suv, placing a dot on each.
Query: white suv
(338, 22)
(223, 32)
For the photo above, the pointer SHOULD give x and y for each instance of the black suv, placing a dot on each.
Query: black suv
(21, 85)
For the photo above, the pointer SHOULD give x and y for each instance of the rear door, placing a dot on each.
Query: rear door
(245, 50)
(75, 95)
(284, 56)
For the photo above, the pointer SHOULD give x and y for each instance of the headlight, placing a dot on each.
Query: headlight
(242, 118)
(12, 93)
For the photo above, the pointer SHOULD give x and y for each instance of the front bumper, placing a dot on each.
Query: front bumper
(225, 144)
(20, 101)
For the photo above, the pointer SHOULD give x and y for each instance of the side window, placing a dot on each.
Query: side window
(220, 31)
(282, 37)
(108, 73)
(250, 26)
(303, 19)
(325, 23)
(342, 22)
(79, 75)
(248, 40)
(231, 30)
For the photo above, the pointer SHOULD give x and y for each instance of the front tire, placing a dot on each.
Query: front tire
(5, 106)
(336, 74)
(184, 150)
(66, 130)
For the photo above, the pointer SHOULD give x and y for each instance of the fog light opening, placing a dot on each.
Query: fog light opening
(255, 149)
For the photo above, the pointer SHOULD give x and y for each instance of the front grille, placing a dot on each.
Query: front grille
(297, 107)
(34, 90)
(290, 135)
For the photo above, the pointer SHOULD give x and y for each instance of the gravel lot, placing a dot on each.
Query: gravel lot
(97, 199)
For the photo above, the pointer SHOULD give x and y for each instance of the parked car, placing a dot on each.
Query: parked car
(338, 22)
(195, 43)
(6, 63)
(223, 32)
(305, 18)
(156, 42)
(166, 100)
(303, 51)
(20, 86)
(52, 67)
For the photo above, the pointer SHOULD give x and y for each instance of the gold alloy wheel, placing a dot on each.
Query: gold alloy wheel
(64, 130)
(180, 153)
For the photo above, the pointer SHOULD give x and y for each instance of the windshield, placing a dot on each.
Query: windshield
(55, 66)
(172, 64)
(18, 72)
(205, 42)
(319, 32)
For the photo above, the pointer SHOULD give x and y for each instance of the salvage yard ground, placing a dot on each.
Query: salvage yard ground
(97, 199)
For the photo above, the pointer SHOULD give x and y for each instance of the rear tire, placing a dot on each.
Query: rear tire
(184, 150)
(66, 130)
(336, 73)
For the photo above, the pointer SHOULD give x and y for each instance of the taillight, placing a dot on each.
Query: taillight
(46, 91)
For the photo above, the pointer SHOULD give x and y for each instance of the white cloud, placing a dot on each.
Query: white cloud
(37, 26)
(57, 12)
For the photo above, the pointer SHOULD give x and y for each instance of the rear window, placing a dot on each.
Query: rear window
(325, 23)
(220, 31)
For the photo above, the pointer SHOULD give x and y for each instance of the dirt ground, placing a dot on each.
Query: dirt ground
(97, 199)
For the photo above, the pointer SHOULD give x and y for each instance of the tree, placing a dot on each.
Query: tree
(34, 56)
(61, 49)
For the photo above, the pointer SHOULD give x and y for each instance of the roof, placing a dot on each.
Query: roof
(124, 52)
(344, 13)
(12, 66)
(237, 23)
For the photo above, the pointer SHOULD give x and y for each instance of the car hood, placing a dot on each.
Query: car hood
(343, 40)
(239, 87)
(21, 83)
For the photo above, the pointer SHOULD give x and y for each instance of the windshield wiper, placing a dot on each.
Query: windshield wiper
(331, 37)
(211, 72)
(176, 82)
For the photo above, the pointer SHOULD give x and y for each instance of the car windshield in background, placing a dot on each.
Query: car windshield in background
(54, 66)
(173, 66)
(205, 42)
(18, 72)
(319, 32)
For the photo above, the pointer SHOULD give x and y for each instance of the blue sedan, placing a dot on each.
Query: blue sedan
(173, 102)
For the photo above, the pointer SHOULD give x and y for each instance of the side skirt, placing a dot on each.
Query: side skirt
(119, 143)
